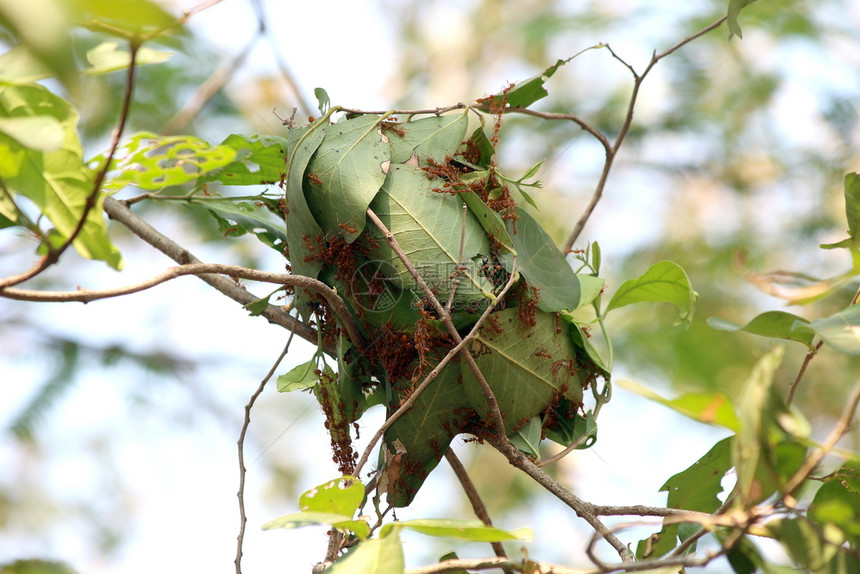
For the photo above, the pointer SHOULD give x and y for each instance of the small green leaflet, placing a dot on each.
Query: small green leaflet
(299, 377)
(237, 218)
(665, 281)
(323, 101)
(527, 438)
(735, 7)
(774, 324)
(527, 92)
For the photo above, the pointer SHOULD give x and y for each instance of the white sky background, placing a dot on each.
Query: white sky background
(181, 480)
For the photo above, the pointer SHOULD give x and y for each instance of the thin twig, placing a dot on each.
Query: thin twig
(612, 151)
(839, 430)
(92, 199)
(207, 90)
(806, 360)
(243, 519)
(234, 271)
(582, 509)
(478, 506)
(274, 314)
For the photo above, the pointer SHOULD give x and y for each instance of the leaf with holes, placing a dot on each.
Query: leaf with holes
(258, 160)
(152, 162)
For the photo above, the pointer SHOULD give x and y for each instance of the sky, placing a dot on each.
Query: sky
(172, 476)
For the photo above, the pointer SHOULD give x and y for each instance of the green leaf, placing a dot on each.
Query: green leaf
(696, 489)
(489, 220)
(709, 408)
(40, 133)
(302, 228)
(238, 218)
(424, 432)
(818, 550)
(590, 288)
(339, 496)
(841, 331)
(433, 138)
(382, 555)
(257, 307)
(470, 530)
(566, 430)
(323, 101)
(543, 265)
(258, 160)
(152, 162)
(526, 367)
(107, 57)
(20, 65)
(527, 438)
(343, 523)
(427, 226)
(837, 502)
(665, 281)
(774, 324)
(527, 92)
(735, 7)
(56, 181)
(123, 18)
(345, 174)
(299, 377)
(852, 206)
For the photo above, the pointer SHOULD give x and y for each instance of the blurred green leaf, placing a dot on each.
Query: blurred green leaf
(107, 57)
(342, 522)
(323, 101)
(841, 331)
(35, 566)
(258, 160)
(852, 206)
(735, 7)
(818, 550)
(837, 502)
(471, 530)
(123, 18)
(710, 408)
(665, 281)
(42, 27)
(240, 217)
(774, 324)
(382, 555)
(56, 181)
(39, 133)
(20, 65)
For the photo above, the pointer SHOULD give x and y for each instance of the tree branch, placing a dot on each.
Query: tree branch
(474, 498)
(275, 315)
(243, 519)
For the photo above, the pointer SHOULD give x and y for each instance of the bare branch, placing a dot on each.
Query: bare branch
(120, 212)
(243, 519)
(612, 151)
(474, 498)
(234, 271)
(583, 509)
